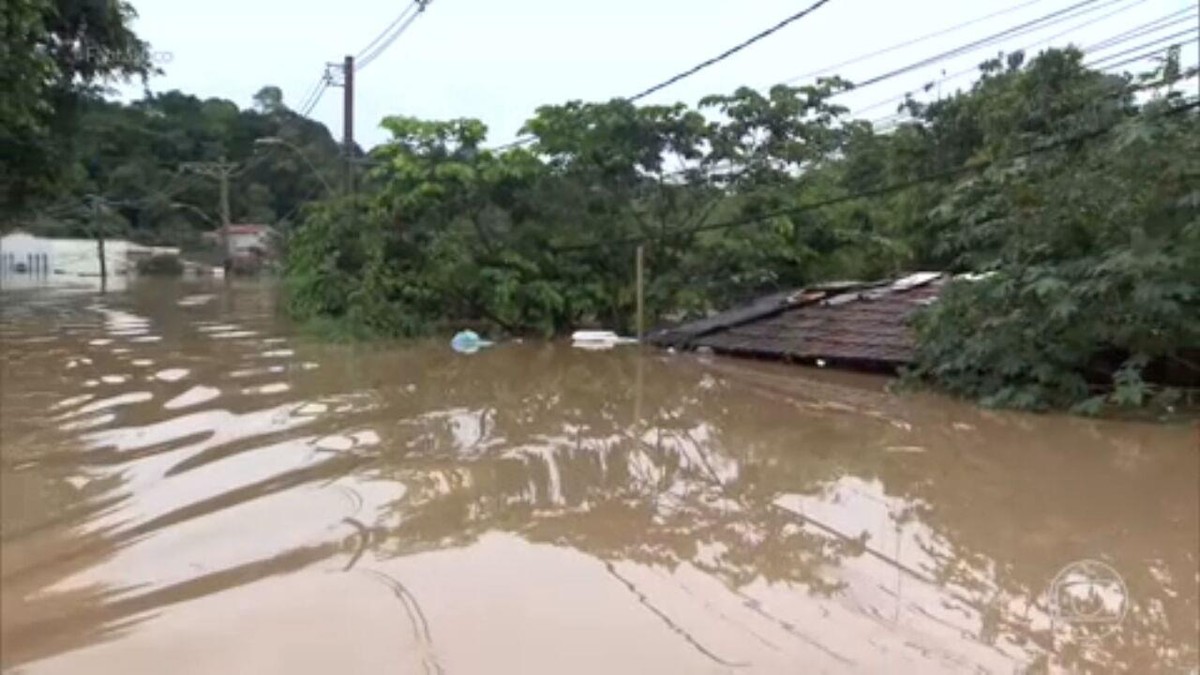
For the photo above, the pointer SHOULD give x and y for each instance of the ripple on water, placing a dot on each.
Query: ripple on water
(195, 300)
(233, 334)
(689, 520)
(194, 396)
(268, 389)
(172, 374)
(128, 398)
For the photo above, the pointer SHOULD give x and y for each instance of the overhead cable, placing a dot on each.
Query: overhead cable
(1124, 52)
(877, 192)
(907, 43)
(1172, 19)
(1065, 14)
(1112, 41)
(1053, 18)
(386, 31)
(525, 140)
(1152, 53)
(313, 93)
(728, 53)
(391, 38)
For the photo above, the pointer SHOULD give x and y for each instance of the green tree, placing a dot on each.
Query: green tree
(57, 56)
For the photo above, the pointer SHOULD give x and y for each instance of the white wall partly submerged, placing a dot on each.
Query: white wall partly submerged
(27, 261)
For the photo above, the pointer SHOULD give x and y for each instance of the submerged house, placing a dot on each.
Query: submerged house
(845, 324)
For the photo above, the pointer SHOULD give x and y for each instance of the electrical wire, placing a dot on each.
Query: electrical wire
(1124, 52)
(317, 99)
(1144, 29)
(392, 26)
(1142, 57)
(893, 121)
(391, 38)
(865, 194)
(1067, 13)
(1117, 39)
(1033, 25)
(907, 43)
(728, 53)
(312, 91)
(315, 96)
(674, 79)
(975, 68)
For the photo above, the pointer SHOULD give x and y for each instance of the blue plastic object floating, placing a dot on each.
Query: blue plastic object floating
(468, 342)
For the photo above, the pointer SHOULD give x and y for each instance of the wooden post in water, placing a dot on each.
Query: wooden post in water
(641, 292)
(98, 231)
(103, 261)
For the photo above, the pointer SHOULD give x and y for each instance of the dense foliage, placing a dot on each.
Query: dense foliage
(136, 157)
(1069, 194)
(1093, 251)
(54, 56)
(74, 163)
(1075, 191)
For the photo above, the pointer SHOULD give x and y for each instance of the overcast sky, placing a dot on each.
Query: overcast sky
(499, 60)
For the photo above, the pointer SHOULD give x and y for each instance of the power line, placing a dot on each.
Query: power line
(314, 96)
(525, 140)
(325, 83)
(379, 38)
(1044, 21)
(893, 121)
(908, 43)
(1117, 39)
(312, 91)
(1146, 55)
(1124, 52)
(1144, 29)
(865, 194)
(401, 25)
(727, 53)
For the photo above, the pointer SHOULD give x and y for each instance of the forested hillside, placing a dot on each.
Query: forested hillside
(73, 159)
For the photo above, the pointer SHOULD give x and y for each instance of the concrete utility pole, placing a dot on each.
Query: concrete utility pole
(346, 82)
(222, 171)
(348, 120)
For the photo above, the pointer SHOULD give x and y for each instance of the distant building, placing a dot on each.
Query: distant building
(27, 260)
(22, 253)
(246, 240)
(247, 247)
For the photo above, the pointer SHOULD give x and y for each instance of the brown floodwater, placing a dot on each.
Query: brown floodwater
(188, 487)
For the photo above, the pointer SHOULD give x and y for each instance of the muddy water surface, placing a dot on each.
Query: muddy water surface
(186, 487)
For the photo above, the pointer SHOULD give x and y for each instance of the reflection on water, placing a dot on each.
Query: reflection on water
(186, 487)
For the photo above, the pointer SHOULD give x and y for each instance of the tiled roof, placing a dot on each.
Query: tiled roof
(865, 324)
